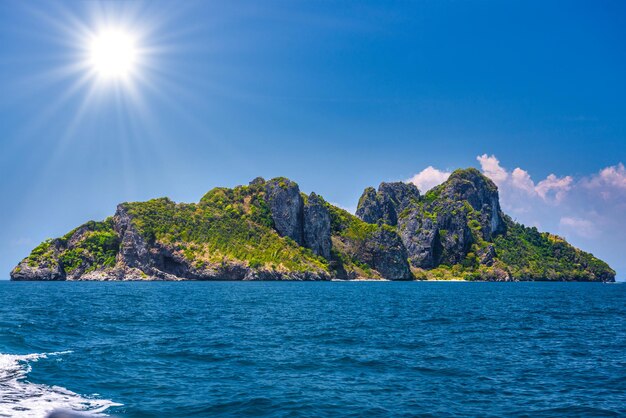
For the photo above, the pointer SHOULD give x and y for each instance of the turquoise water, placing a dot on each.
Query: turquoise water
(310, 349)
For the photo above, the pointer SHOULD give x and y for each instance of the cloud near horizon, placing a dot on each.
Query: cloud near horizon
(589, 211)
(552, 189)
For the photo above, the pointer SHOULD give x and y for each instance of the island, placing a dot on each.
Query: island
(269, 230)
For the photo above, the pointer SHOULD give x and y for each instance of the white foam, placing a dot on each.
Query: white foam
(20, 398)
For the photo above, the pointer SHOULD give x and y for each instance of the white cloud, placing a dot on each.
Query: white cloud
(429, 178)
(492, 169)
(521, 180)
(609, 183)
(552, 188)
(614, 176)
(553, 185)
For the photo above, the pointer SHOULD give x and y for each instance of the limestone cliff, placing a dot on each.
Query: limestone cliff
(457, 229)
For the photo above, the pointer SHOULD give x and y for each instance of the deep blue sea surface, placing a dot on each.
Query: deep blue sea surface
(313, 349)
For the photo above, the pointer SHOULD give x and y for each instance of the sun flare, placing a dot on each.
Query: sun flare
(113, 54)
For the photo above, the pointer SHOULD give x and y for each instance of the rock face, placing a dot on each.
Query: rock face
(269, 230)
(307, 224)
(369, 208)
(385, 252)
(386, 204)
(487, 255)
(136, 256)
(398, 195)
(460, 223)
(436, 229)
(482, 194)
(420, 235)
(47, 269)
(134, 251)
(287, 206)
(316, 228)
(455, 235)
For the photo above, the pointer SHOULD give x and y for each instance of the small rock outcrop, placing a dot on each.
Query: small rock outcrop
(487, 255)
(134, 251)
(46, 268)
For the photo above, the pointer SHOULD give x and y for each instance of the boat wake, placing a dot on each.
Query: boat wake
(21, 398)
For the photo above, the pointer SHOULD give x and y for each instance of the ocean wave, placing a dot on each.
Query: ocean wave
(21, 398)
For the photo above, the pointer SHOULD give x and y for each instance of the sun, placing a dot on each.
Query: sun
(113, 53)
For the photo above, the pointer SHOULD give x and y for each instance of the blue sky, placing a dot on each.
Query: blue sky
(335, 95)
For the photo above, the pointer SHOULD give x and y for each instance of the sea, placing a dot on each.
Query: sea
(309, 349)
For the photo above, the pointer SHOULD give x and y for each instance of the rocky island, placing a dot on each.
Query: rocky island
(269, 230)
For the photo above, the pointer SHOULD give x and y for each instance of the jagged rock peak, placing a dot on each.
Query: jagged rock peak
(316, 227)
(258, 181)
(369, 208)
(287, 207)
(133, 250)
(304, 219)
(460, 180)
(387, 203)
(480, 192)
(399, 193)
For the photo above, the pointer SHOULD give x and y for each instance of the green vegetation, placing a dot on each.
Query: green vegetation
(42, 254)
(521, 253)
(91, 246)
(350, 236)
(227, 225)
(517, 253)
(432, 195)
(349, 232)
(530, 254)
(470, 176)
(346, 225)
